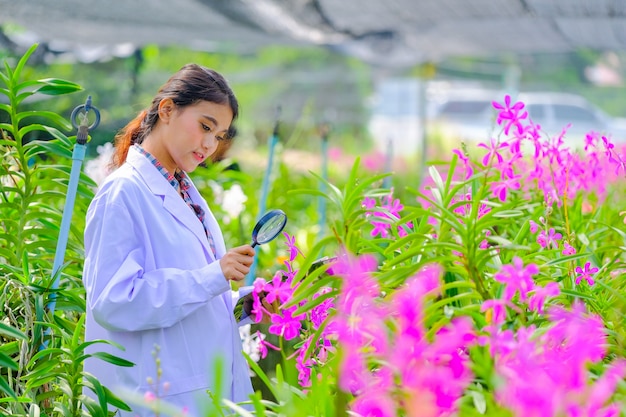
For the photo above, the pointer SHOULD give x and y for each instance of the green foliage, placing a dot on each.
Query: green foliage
(41, 355)
(320, 400)
(447, 226)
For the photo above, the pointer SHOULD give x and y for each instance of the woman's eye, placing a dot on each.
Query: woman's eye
(205, 127)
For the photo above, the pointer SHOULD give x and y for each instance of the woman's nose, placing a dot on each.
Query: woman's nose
(209, 143)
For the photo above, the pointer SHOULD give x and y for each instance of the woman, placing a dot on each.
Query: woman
(157, 273)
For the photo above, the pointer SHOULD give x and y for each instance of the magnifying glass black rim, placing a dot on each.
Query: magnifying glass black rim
(267, 216)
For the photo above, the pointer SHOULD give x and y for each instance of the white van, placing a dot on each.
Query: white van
(472, 117)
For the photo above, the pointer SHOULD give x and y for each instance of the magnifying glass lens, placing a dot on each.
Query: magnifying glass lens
(270, 229)
(270, 225)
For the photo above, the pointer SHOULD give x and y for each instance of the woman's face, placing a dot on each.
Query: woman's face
(191, 134)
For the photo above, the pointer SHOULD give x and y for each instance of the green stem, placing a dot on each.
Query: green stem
(282, 351)
(23, 165)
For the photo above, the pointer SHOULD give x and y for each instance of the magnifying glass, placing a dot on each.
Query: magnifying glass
(268, 227)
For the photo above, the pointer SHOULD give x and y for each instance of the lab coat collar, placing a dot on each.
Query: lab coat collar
(172, 202)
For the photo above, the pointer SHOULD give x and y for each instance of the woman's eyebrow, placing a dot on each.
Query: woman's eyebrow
(210, 118)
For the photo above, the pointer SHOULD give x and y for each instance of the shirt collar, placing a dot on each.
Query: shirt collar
(178, 180)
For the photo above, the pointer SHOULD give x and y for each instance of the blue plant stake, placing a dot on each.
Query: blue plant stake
(264, 191)
(388, 163)
(78, 156)
(321, 210)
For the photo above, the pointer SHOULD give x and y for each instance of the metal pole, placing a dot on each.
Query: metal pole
(321, 209)
(264, 191)
(388, 163)
(422, 135)
(78, 155)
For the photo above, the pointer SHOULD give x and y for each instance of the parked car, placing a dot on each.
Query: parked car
(471, 116)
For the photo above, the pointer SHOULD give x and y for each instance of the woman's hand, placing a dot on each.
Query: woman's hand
(272, 308)
(236, 262)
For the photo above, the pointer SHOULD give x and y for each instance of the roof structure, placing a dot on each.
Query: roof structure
(392, 33)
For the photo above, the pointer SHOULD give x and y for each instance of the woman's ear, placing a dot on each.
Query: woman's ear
(166, 108)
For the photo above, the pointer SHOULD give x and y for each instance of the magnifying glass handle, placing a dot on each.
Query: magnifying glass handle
(253, 244)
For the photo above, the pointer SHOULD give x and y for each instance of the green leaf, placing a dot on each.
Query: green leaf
(115, 360)
(470, 297)
(4, 386)
(34, 411)
(40, 380)
(20, 400)
(9, 128)
(313, 254)
(21, 97)
(78, 333)
(50, 146)
(436, 177)
(413, 252)
(318, 333)
(7, 362)
(92, 406)
(507, 244)
(62, 138)
(49, 115)
(10, 239)
(55, 86)
(17, 72)
(33, 128)
(564, 259)
(411, 240)
(451, 169)
(237, 408)
(114, 400)
(8, 255)
(11, 332)
(314, 302)
(334, 195)
(259, 406)
(458, 284)
(478, 398)
(42, 367)
(98, 389)
(310, 191)
(355, 192)
(65, 388)
(578, 294)
(10, 348)
(9, 71)
(262, 376)
(48, 353)
(508, 214)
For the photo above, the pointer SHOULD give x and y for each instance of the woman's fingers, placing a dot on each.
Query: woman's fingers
(236, 262)
(246, 250)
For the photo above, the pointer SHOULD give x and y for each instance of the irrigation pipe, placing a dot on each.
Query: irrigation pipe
(78, 155)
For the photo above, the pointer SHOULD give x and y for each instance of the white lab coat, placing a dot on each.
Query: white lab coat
(152, 280)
